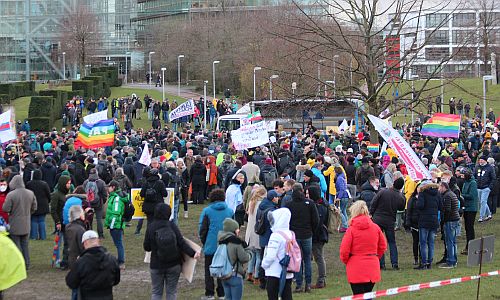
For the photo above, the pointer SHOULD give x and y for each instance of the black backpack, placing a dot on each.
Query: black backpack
(260, 221)
(128, 211)
(150, 195)
(269, 177)
(166, 244)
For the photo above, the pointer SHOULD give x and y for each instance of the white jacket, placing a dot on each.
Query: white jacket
(275, 249)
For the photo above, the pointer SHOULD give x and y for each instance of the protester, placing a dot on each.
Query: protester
(320, 235)
(12, 263)
(362, 246)
(342, 197)
(471, 203)
(74, 232)
(153, 191)
(234, 197)
(451, 218)
(411, 224)
(485, 177)
(258, 194)
(96, 191)
(42, 193)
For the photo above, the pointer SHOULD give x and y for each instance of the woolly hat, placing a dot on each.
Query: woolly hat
(308, 173)
(399, 183)
(230, 225)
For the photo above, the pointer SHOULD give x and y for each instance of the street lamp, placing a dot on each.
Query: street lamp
(413, 78)
(163, 84)
(213, 73)
(485, 78)
(319, 76)
(150, 75)
(271, 85)
(126, 66)
(255, 69)
(64, 65)
(205, 104)
(335, 76)
(179, 74)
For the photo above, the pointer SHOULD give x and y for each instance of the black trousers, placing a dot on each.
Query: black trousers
(209, 281)
(262, 273)
(415, 236)
(492, 203)
(469, 219)
(273, 288)
(361, 288)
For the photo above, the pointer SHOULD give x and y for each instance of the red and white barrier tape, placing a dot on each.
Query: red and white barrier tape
(416, 287)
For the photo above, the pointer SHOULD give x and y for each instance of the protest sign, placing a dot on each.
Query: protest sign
(96, 117)
(137, 202)
(250, 136)
(170, 200)
(189, 263)
(185, 109)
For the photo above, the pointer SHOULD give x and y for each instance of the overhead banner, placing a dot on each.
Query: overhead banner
(414, 165)
(96, 117)
(250, 136)
(185, 109)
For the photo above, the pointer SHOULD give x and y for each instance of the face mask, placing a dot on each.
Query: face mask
(482, 164)
(3, 188)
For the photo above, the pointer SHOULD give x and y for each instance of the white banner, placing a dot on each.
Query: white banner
(250, 136)
(185, 109)
(416, 168)
(7, 131)
(436, 152)
(96, 117)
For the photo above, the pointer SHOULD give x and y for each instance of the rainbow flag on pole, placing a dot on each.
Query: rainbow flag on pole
(100, 134)
(442, 125)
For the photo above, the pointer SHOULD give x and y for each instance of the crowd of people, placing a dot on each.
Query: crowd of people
(283, 196)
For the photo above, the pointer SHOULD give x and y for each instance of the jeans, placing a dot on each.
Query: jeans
(484, 212)
(343, 211)
(37, 231)
(233, 288)
(176, 210)
(21, 242)
(74, 294)
(450, 236)
(399, 220)
(306, 249)
(168, 278)
(353, 190)
(165, 116)
(98, 216)
(426, 237)
(469, 219)
(117, 236)
(254, 263)
(317, 252)
(273, 288)
(331, 199)
(209, 280)
(391, 241)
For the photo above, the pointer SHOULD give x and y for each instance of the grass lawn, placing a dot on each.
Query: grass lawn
(45, 86)
(46, 283)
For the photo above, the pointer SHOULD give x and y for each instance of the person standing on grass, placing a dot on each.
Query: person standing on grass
(166, 243)
(362, 246)
(114, 218)
(12, 263)
(210, 223)
(451, 219)
(471, 203)
(42, 193)
(20, 203)
(485, 176)
(74, 232)
(96, 187)
(95, 272)
(258, 194)
(320, 236)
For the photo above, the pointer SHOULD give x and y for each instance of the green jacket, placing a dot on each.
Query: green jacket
(238, 255)
(116, 208)
(471, 198)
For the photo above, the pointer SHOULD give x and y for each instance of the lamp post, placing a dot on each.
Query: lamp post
(335, 76)
(271, 85)
(485, 78)
(126, 67)
(319, 77)
(442, 91)
(150, 75)
(413, 78)
(64, 65)
(205, 104)
(213, 73)
(179, 74)
(163, 84)
(254, 70)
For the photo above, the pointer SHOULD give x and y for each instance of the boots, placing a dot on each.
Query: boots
(250, 277)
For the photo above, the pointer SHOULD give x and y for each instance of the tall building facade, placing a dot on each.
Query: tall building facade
(31, 30)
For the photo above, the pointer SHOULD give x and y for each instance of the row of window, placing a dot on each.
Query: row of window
(442, 37)
(461, 19)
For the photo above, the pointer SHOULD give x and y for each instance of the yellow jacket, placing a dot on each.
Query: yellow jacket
(331, 172)
(12, 267)
(409, 188)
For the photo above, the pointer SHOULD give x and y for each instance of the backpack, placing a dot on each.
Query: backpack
(333, 219)
(269, 177)
(260, 221)
(292, 250)
(173, 181)
(166, 244)
(221, 267)
(382, 180)
(105, 171)
(128, 211)
(92, 192)
(150, 195)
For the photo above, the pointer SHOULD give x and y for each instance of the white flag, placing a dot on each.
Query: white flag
(145, 156)
(437, 151)
(185, 109)
(343, 126)
(96, 117)
(6, 129)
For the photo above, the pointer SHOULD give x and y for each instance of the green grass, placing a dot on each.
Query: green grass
(45, 86)
(46, 283)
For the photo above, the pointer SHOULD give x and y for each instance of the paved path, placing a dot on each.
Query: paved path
(170, 89)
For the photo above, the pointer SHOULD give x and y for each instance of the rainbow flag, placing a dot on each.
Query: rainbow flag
(372, 147)
(256, 116)
(100, 134)
(442, 125)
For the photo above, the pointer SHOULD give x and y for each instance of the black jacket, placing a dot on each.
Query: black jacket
(412, 213)
(450, 207)
(153, 181)
(198, 175)
(42, 193)
(428, 204)
(94, 274)
(363, 174)
(49, 172)
(350, 171)
(305, 218)
(161, 220)
(128, 169)
(385, 205)
(367, 193)
(321, 233)
(485, 176)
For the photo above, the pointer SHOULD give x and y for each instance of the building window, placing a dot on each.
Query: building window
(436, 53)
(463, 36)
(464, 53)
(464, 19)
(438, 37)
(435, 20)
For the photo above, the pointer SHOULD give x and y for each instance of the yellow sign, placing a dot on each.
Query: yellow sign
(137, 202)
(170, 200)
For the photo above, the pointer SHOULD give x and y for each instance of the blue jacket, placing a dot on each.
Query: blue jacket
(341, 186)
(70, 202)
(322, 180)
(210, 224)
(429, 203)
(471, 197)
(269, 205)
(485, 176)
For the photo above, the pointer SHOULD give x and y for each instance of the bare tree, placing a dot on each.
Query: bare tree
(489, 23)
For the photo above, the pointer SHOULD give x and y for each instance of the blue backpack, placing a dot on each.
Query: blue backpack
(221, 267)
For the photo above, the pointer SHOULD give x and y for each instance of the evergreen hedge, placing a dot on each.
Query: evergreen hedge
(87, 86)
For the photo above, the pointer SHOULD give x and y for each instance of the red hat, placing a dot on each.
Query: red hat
(269, 161)
(286, 146)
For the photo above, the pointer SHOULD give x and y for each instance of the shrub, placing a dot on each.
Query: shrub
(41, 123)
(42, 106)
(60, 100)
(4, 99)
(87, 86)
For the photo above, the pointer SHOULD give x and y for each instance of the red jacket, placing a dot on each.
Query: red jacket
(361, 248)
(2, 213)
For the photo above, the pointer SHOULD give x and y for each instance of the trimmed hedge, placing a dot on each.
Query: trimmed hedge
(61, 97)
(111, 77)
(42, 112)
(41, 123)
(98, 85)
(74, 93)
(18, 89)
(87, 86)
(4, 99)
